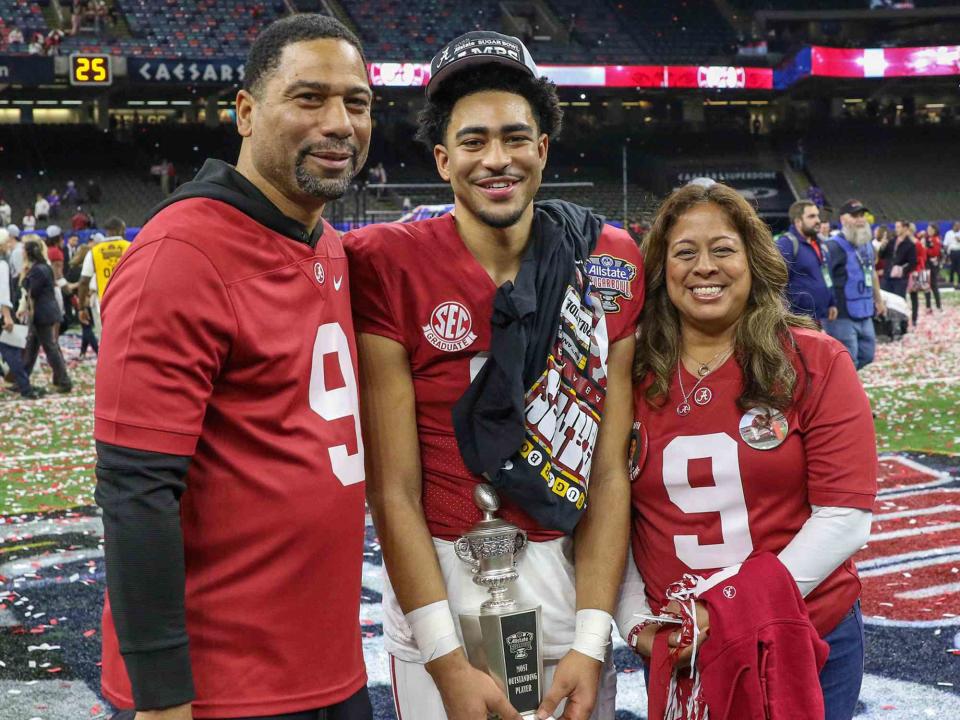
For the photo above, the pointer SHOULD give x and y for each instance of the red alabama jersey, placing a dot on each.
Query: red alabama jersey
(418, 284)
(718, 484)
(231, 343)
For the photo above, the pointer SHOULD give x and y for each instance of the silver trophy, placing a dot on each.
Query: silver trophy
(503, 638)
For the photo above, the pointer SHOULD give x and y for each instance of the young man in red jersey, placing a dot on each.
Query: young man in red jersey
(230, 463)
(457, 321)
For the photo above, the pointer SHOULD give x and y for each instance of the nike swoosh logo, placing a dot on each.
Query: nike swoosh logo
(336, 282)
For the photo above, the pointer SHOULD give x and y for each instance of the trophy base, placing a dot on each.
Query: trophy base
(506, 645)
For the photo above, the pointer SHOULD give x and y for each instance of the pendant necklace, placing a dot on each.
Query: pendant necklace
(705, 395)
(704, 367)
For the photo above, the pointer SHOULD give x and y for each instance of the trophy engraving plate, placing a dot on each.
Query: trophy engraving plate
(520, 633)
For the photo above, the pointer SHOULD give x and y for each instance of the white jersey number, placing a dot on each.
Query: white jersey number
(338, 403)
(725, 497)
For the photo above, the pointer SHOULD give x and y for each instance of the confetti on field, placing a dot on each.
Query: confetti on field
(914, 385)
(52, 571)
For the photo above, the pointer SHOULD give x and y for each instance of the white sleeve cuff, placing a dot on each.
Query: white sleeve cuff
(828, 537)
(633, 599)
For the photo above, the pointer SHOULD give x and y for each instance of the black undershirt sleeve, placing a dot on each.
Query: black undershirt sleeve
(139, 492)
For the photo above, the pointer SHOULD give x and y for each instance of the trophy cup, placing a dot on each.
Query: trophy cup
(503, 638)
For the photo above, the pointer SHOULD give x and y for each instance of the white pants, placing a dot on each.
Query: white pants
(415, 696)
(546, 578)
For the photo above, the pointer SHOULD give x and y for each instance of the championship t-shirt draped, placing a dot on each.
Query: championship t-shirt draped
(720, 483)
(419, 285)
(233, 343)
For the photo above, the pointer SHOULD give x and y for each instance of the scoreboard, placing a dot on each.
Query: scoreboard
(91, 70)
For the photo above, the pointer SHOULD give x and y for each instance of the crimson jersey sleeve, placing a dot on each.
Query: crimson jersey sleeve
(616, 272)
(167, 329)
(838, 434)
(370, 292)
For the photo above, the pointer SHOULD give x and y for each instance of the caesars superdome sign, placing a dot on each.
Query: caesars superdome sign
(158, 70)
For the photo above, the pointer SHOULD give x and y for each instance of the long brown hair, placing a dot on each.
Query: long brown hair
(763, 345)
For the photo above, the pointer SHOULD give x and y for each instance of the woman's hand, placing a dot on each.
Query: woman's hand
(642, 641)
(682, 659)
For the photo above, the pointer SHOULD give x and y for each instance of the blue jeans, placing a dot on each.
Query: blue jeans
(13, 357)
(857, 336)
(842, 676)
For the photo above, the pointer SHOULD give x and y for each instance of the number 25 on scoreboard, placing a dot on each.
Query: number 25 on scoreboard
(90, 70)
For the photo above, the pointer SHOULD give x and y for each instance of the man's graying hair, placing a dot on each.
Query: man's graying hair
(264, 55)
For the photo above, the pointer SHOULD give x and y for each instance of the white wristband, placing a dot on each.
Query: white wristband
(593, 633)
(433, 630)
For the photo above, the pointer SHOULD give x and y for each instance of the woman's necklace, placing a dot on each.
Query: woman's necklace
(704, 367)
(705, 394)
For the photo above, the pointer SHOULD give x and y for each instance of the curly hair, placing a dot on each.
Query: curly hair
(763, 344)
(541, 93)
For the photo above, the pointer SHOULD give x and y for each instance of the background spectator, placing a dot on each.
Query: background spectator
(80, 219)
(951, 246)
(53, 199)
(43, 315)
(41, 209)
(29, 221)
(934, 263)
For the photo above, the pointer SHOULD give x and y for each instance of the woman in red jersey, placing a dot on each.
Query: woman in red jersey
(753, 434)
(934, 262)
(919, 279)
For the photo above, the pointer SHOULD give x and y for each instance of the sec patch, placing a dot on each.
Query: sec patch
(450, 327)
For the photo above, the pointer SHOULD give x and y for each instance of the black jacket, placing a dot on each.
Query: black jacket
(905, 254)
(39, 283)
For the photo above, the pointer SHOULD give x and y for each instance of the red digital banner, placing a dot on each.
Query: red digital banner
(715, 77)
(885, 62)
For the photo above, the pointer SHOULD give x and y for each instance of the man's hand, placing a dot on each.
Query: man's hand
(467, 693)
(881, 308)
(832, 313)
(180, 712)
(577, 678)
(703, 622)
(7, 323)
(84, 316)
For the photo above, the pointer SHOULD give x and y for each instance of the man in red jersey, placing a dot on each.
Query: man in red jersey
(424, 296)
(230, 463)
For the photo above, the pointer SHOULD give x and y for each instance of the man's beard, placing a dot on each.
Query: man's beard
(810, 232)
(858, 235)
(500, 221)
(324, 188)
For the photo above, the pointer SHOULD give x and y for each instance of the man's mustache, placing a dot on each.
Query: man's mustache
(344, 147)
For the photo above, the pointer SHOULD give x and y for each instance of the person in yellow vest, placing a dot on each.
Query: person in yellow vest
(98, 265)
